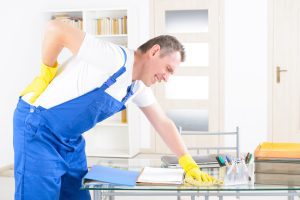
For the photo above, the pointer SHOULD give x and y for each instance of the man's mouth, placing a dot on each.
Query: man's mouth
(157, 79)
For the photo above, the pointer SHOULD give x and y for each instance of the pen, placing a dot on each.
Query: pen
(249, 158)
(231, 168)
(246, 170)
(220, 161)
(228, 160)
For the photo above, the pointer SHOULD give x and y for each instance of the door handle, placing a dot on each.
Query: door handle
(278, 71)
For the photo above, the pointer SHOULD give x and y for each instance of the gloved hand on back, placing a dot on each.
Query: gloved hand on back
(193, 175)
(40, 83)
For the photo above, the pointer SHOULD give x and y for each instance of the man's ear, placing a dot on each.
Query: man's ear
(154, 50)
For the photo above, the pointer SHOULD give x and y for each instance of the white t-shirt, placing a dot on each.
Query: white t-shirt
(95, 62)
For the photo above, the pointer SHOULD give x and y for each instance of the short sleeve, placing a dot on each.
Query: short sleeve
(144, 98)
(100, 53)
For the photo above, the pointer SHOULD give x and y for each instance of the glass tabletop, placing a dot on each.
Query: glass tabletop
(254, 187)
(138, 164)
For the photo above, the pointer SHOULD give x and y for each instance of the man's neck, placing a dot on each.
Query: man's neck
(137, 65)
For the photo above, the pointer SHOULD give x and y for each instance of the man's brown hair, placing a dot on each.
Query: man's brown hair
(168, 44)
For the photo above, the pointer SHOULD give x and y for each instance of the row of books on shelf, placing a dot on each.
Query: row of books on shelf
(277, 163)
(74, 21)
(110, 26)
(102, 26)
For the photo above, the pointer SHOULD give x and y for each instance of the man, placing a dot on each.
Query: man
(56, 108)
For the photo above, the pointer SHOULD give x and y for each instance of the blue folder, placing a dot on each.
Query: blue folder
(112, 175)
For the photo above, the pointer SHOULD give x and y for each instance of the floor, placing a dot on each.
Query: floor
(7, 187)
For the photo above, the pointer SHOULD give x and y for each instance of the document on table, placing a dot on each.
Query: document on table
(161, 176)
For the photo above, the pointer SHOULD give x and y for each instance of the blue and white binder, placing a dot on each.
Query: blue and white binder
(112, 175)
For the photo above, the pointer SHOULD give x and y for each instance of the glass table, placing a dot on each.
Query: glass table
(105, 190)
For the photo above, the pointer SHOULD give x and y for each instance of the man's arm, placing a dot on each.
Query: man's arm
(57, 36)
(166, 128)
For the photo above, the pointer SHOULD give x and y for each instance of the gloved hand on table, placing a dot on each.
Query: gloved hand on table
(193, 175)
(40, 83)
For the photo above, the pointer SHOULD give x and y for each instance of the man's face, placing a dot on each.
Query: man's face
(159, 68)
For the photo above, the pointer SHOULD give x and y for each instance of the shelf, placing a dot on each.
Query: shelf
(120, 39)
(119, 153)
(112, 35)
(114, 124)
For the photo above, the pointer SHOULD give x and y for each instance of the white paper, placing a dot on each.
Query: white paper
(161, 175)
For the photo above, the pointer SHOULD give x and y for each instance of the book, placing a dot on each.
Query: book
(277, 150)
(160, 176)
(124, 25)
(112, 175)
(277, 179)
(99, 26)
(277, 166)
(73, 21)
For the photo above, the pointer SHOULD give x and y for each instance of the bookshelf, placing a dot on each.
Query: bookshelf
(112, 137)
(110, 25)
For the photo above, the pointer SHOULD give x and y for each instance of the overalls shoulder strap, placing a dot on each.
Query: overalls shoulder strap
(112, 79)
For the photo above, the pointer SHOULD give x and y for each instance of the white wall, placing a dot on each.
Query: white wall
(19, 49)
(245, 61)
(246, 70)
(21, 34)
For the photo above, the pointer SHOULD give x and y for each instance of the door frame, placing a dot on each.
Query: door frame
(221, 74)
(270, 68)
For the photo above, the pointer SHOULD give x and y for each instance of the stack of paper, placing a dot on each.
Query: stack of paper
(161, 176)
(277, 163)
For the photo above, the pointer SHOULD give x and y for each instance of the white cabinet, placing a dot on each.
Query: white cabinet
(112, 137)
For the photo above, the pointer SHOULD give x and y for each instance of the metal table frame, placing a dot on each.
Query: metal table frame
(111, 194)
(208, 150)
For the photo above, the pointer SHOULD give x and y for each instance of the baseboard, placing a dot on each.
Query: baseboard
(7, 170)
(6, 167)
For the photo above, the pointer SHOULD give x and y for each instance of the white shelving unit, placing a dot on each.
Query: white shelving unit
(110, 138)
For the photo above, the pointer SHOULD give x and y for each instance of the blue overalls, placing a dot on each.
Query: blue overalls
(50, 158)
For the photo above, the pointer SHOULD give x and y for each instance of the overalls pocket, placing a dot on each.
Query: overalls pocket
(87, 119)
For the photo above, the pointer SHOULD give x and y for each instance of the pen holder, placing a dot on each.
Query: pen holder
(237, 174)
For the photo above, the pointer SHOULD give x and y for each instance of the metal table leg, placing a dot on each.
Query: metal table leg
(206, 197)
(291, 197)
(178, 195)
(97, 195)
(111, 196)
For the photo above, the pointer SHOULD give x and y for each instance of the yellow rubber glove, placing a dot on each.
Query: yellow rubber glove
(193, 175)
(40, 83)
